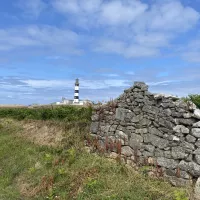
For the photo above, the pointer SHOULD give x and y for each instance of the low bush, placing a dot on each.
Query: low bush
(66, 113)
(195, 98)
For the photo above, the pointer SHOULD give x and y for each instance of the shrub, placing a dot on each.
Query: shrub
(66, 113)
(195, 98)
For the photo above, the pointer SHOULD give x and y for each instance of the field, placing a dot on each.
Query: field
(47, 160)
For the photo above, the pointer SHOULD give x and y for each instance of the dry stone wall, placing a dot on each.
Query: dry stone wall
(154, 127)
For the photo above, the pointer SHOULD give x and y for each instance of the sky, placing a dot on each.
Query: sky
(108, 44)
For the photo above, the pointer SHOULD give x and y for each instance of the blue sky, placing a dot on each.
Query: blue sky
(107, 44)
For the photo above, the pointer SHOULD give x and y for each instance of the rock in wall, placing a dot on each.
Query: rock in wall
(153, 126)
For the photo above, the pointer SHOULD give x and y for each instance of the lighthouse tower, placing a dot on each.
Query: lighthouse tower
(76, 92)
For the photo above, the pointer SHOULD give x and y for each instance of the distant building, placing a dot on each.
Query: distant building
(76, 100)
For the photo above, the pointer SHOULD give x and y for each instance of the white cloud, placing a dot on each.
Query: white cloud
(32, 8)
(171, 16)
(153, 39)
(87, 84)
(76, 6)
(121, 12)
(125, 49)
(130, 28)
(48, 37)
(191, 51)
(192, 56)
(162, 16)
(167, 82)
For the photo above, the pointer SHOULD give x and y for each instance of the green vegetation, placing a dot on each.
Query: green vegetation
(29, 171)
(66, 113)
(195, 98)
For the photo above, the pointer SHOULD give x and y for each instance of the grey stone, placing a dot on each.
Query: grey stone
(159, 153)
(197, 158)
(168, 112)
(121, 128)
(187, 122)
(184, 165)
(191, 167)
(94, 127)
(167, 154)
(158, 142)
(167, 105)
(175, 138)
(197, 113)
(188, 145)
(131, 128)
(140, 85)
(184, 175)
(137, 118)
(196, 132)
(145, 122)
(178, 182)
(150, 109)
(113, 128)
(190, 138)
(181, 104)
(177, 114)
(95, 117)
(181, 129)
(120, 114)
(178, 153)
(136, 140)
(127, 151)
(191, 105)
(155, 131)
(166, 130)
(187, 115)
(197, 190)
(105, 128)
(141, 131)
(195, 169)
(189, 158)
(168, 163)
(147, 154)
(196, 125)
(149, 148)
(165, 123)
(121, 135)
(197, 151)
(197, 143)
(170, 172)
(147, 138)
(129, 116)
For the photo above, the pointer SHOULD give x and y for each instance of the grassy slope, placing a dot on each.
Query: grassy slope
(29, 171)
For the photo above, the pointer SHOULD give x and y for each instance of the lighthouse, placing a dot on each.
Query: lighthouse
(76, 92)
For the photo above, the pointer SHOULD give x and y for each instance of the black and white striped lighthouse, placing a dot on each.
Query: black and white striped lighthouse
(76, 92)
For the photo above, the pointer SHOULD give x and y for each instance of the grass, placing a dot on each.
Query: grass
(30, 171)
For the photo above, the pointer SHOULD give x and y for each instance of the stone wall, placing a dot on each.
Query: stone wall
(159, 128)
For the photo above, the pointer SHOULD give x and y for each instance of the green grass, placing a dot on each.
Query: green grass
(29, 171)
(66, 113)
